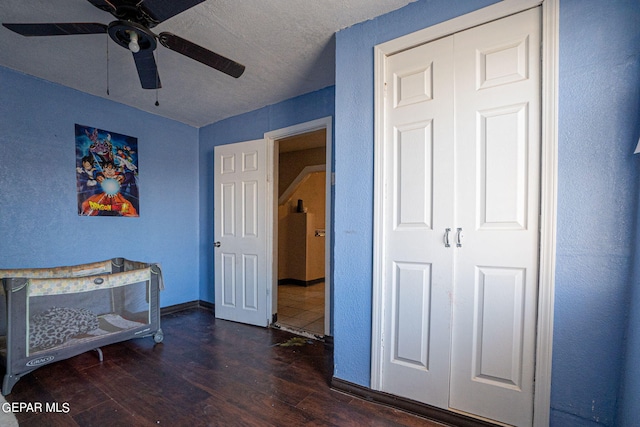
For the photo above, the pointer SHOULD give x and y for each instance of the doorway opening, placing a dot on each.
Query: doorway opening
(301, 193)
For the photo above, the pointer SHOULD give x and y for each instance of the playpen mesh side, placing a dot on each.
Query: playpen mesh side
(99, 267)
(62, 312)
(137, 265)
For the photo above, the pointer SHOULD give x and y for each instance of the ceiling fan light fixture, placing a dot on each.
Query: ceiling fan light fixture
(133, 41)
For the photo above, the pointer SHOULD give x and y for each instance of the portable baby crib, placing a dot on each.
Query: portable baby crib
(53, 314)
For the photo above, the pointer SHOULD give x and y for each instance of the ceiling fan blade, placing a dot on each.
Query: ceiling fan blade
(161, 10)
(147, 69)
(34, 30)
(200, 54)
(103, 4)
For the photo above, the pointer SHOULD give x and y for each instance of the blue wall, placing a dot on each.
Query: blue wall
(599, 81)
(39, 222)
(630, 390)
(598, 128)
(246, 127)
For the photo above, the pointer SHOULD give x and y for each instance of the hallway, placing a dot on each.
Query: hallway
(302, 307)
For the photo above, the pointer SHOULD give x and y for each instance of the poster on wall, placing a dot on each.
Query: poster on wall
(107, 173)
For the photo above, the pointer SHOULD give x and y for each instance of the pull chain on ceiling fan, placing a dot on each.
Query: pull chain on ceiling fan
(131, 30)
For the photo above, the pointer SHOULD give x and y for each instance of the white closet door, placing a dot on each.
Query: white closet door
(497, 118)
(462, 152)
(418, 208)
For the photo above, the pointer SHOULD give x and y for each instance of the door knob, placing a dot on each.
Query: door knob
(446, 237)
(216, 244)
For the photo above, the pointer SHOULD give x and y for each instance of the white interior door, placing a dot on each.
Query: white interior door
(460, 221)
(240, 277)
(497, 206)
(418, 209)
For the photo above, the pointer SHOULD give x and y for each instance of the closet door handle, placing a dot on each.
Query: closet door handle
(446, 237)
(459, 238)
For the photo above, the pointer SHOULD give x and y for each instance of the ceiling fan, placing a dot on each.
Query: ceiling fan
(131, 30)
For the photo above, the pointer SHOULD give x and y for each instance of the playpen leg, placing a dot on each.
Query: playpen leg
(8, 382)
(99, 353)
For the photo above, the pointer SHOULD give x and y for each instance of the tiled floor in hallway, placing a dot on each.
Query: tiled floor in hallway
(302, 307)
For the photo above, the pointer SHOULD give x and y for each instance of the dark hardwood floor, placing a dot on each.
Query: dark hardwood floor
(206, 372)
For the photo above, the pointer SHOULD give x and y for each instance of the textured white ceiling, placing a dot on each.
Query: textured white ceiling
(287, 47)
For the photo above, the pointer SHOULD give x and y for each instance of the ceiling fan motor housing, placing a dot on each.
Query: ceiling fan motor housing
(119, 31)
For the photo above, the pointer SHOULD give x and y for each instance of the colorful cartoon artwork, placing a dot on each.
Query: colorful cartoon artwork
(107, 173)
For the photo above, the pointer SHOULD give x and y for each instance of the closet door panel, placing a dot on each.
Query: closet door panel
(413, 196)
(497, 336)
(502, 168)
(497, 116)
(418, 200)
